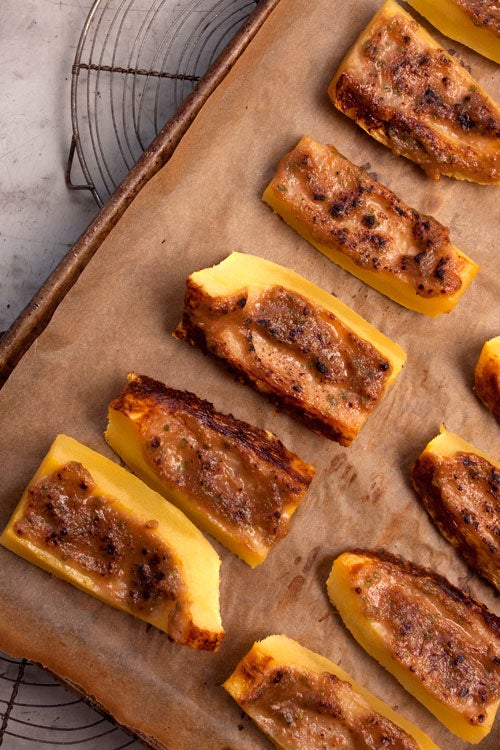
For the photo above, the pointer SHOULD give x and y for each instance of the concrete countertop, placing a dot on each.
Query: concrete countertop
(40, 217)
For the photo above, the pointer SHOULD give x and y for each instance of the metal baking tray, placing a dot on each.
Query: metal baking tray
(34, 318)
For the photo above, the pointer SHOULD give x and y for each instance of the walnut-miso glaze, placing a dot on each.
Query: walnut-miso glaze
(483, 13)
(66, 515)
(239, 479)
(461, 493)
(448, 642)
(300, 709)
(339, 206)
(406, 91)
(301, 355)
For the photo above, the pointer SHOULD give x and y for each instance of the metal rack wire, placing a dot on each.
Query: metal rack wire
(37, 711)
(134, 64)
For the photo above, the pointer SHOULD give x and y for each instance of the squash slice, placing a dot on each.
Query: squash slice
(300, 699)
(460, 489)
(367, 230)
(442, 646)
(311, 354)
(471, 22)
(234, 481)
(406, 91)
(487, 376)
(93, 524)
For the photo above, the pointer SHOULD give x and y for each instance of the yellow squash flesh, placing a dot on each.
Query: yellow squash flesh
(447, 444)
(195, 558)
(453, 21)
(370, 635)
(124, 434)
(487, 376)
(283, 195)
(278, 651)
(284, 367)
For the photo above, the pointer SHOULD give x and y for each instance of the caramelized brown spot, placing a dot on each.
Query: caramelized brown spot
(85, 531)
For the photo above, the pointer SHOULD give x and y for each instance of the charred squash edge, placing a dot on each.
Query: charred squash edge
(397, 290)
(123, 436)
(447, 443)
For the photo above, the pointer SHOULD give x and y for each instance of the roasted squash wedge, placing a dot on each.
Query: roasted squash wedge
(442, 645)
(311, 354)
(234, 481)
(301, 700)
(407, 92)
(474, 23)
(487, 376)
(366, 229)
(92, 523)
(460, 488)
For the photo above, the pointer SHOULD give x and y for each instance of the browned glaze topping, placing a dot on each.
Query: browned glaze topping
(462, 494)
(487, 386)
(293, 348)
(348, 211)
(449, 642)
(405, 89)
(241, 476)
(300, 709)
(125, 558)
(484, 13)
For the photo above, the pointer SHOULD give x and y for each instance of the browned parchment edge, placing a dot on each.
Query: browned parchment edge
(37, 314)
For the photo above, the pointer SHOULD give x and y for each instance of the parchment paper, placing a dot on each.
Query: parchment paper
(119, 317)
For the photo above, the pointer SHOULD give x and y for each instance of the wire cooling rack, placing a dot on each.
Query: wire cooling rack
(37, 711)
(134, 65)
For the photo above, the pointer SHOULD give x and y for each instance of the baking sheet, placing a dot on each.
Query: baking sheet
(119, 316)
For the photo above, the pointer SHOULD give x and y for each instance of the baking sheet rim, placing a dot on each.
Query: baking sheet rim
(36, 315)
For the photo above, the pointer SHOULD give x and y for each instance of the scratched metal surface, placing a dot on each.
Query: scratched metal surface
(40, 220)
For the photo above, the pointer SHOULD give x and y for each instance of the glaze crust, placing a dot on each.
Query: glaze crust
(410, 94)
(461, 493)
(226, 474)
